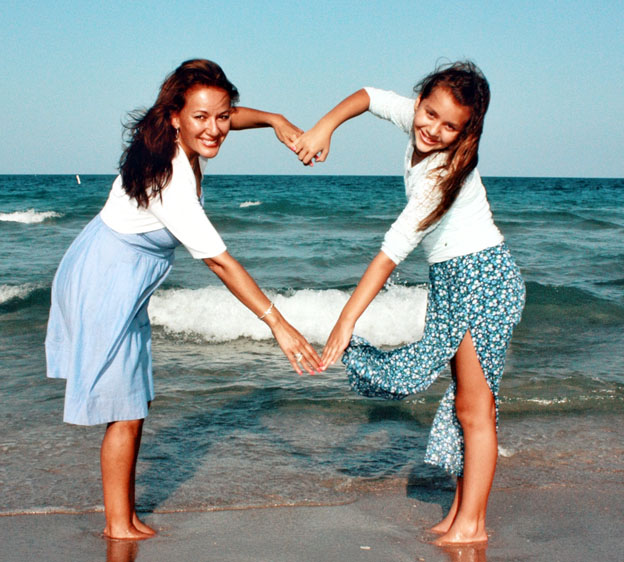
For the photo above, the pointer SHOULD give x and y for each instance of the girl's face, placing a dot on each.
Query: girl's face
(438, 121)
(203, 122)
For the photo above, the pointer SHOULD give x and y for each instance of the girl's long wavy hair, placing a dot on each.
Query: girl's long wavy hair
(468, 86)
(145, 165)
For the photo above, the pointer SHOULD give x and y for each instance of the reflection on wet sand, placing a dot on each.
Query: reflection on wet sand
(466, 553)
(121, 551)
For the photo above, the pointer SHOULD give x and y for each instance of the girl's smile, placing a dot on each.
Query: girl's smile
(203, 122)
(438, 121)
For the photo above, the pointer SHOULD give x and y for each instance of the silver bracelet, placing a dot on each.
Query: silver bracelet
(267, 311)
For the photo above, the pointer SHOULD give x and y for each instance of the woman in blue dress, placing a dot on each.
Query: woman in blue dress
(99, 335)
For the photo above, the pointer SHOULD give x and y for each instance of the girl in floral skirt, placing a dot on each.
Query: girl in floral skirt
(477, 293)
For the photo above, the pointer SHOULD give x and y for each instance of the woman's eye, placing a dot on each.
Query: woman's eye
(224, 117)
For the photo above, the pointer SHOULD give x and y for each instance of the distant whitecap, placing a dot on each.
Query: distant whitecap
(29, 216)
(250, 204)
(10, 292)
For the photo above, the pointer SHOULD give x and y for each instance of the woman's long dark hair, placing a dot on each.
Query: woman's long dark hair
(145, 164)
(469, 87)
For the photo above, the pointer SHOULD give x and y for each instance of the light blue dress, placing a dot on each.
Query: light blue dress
(99, 335)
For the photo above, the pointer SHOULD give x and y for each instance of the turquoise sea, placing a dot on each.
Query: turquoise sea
(232, 425)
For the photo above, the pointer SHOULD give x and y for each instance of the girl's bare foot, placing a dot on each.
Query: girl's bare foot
(438, 529)
(142, 527)
(443, 526)
(130, 533)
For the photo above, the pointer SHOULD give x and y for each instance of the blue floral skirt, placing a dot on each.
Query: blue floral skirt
(483, 293)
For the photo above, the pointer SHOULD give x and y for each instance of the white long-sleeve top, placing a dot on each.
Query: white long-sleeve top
(466, 227)
(179, 210)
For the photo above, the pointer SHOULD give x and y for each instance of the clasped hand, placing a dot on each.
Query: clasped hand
(312, 146)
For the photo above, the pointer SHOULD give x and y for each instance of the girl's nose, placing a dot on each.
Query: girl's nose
(434, 129)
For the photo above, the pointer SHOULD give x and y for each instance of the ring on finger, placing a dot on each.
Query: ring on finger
(298, 357)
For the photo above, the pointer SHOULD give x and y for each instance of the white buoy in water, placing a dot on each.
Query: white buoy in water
(78, 179)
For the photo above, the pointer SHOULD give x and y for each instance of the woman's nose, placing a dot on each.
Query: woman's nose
(211, 127)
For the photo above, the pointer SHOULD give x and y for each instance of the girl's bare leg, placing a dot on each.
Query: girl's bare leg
(118, 456)
(476, 412)
(444, 525)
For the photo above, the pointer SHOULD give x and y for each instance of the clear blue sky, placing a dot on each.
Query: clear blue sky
(72, 70)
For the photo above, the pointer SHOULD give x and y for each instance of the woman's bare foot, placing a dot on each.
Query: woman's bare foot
(457, 536)
(142, 527)
(130, 533)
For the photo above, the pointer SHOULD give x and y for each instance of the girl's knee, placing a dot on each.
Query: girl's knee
(476, 414)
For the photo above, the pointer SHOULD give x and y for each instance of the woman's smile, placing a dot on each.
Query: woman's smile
(203, 122)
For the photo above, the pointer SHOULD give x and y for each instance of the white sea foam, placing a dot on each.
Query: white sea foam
(9, 292)
(505, 451)
(250, 204)
(548, 402)
(30, 216)
(395, 317)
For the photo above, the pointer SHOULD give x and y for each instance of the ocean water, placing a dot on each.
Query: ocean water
(232, 426)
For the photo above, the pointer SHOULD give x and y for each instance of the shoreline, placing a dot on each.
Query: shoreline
(553, 522)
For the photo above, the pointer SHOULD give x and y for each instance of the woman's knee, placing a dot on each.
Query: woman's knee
(126, 428)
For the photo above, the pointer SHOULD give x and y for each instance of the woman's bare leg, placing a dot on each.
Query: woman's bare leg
(118, 457)
(476, 412)
(144, 528)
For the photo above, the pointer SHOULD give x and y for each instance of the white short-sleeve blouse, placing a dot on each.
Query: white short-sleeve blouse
(178, 209)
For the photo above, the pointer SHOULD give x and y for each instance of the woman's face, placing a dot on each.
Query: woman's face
(438, 121)
(203, 122)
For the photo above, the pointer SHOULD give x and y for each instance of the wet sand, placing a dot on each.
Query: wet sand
(559, 498)
(550, 523)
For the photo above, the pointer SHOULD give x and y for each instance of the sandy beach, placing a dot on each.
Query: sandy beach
(551, 523)
(549, 502)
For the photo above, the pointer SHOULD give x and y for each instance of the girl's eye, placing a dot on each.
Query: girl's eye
(224, 117)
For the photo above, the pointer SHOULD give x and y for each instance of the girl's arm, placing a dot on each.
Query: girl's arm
(371, 283)
(245, 289)
(314, 144)
(247, 118)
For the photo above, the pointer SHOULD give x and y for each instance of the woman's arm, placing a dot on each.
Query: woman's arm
(248, 118)
(314, 144)
(245, 289)
(371, 283)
